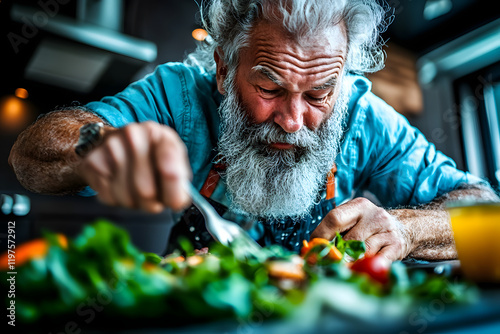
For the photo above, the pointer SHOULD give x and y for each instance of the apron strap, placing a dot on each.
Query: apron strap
(213, 179)
(330, 183)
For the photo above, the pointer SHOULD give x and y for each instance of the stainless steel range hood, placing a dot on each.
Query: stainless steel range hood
(81, 49)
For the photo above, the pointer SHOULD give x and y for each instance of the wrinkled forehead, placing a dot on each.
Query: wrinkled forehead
(273, 37)
(309, 60)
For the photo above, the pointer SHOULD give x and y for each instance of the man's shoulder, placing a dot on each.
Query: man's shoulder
(176, 68)
(190, 86)
(166, 95)
(362, 97)
(367, 108)
(358, 84)
(180, 72)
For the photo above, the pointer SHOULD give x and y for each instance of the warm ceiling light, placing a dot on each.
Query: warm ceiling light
(15, 114)
(199, 34)
(21, 93)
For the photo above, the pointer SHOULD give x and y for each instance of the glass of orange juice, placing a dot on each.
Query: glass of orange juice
(476, 229)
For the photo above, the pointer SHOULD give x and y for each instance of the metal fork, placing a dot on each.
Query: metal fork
(224, 231)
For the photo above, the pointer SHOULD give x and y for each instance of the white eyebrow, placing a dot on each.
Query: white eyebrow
(263, 70)
(332, 82)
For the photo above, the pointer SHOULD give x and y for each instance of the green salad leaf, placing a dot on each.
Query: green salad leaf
(100, 274)
(353, 248)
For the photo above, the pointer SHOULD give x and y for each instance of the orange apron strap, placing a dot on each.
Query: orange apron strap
(330, 183)
(212, 180)
(210, 183)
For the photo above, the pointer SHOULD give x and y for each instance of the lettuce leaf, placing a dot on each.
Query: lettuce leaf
(353, 248)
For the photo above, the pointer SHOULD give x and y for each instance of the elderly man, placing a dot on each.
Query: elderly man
(271, 120)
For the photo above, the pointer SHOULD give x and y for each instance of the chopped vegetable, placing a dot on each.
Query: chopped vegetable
(316, 248)
(281, 269)
(33, 249)
(194, 260)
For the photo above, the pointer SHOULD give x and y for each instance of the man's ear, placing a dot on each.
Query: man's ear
(221, 71)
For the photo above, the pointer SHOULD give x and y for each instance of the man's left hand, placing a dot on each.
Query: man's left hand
(360, 219)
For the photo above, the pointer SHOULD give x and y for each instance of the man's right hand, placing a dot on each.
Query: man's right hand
(141, 166)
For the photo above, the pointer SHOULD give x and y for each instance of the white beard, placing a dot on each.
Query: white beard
(274, 184)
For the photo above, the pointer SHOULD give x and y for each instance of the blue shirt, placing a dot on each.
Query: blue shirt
(382, 156)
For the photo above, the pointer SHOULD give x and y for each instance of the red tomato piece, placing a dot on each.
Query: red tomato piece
(378, 267)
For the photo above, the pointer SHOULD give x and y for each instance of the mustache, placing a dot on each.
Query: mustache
(268, 133)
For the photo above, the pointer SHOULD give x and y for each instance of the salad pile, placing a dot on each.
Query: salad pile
(100, 276)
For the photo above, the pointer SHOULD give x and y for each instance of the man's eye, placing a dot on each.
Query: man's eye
(269, 91)
(316, 99)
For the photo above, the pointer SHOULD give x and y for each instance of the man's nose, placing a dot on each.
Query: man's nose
(291, 114)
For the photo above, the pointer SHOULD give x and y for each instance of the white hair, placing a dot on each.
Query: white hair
(230, 22)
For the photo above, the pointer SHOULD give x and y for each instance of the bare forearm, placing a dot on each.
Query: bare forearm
(429, 232)
(428, 227)
(43, 156)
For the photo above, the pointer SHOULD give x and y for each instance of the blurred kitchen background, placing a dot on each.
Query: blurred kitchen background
(442, 72)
